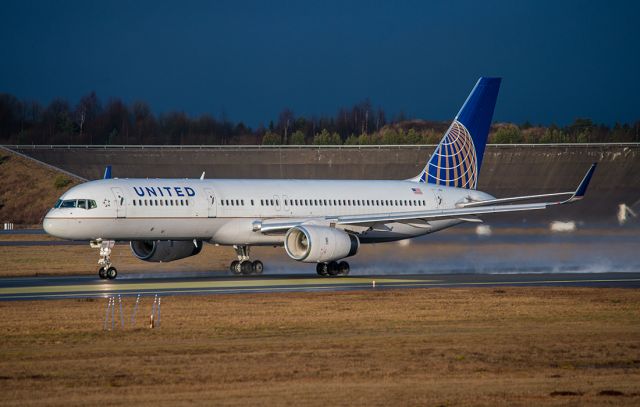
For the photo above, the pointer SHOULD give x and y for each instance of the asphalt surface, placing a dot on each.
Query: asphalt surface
(38, 288)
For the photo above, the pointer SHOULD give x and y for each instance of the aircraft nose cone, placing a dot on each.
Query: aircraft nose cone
(50, 225)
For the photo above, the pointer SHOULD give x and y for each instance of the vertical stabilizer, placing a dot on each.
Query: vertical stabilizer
(457, 159)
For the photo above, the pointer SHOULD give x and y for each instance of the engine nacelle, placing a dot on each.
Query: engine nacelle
(164, 250)
(315, 244)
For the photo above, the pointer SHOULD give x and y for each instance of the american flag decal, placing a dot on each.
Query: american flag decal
(417, 191)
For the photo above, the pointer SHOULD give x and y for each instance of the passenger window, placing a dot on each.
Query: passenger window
(134, 202)
(186, 202)
(252, 202)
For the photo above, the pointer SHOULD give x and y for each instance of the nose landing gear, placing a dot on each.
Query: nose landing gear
(106, 270)
(333, 269)
(244, 266)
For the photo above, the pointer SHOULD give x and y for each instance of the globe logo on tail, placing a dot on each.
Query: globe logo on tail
(454, 162)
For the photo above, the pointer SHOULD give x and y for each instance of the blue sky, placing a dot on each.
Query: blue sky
(559, 59)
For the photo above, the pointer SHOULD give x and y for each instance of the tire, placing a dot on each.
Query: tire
(112, 273)
(246, 267)
(102, 273)
(333, 268)
(322, 269)
(257, 267)
(343, 268)
(235, 267)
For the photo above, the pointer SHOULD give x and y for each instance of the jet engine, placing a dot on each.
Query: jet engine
(315, 244)
(164, 250)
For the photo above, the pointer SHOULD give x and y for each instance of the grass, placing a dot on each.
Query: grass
(513, 346)
(28, 190)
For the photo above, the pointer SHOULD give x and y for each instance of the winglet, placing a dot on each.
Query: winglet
(582, 188)
(107, 172)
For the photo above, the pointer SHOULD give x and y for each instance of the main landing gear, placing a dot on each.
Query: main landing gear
(332, 269)
(106, 270)
(244, 266)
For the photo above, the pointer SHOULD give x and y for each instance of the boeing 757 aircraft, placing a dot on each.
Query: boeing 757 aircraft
(317, 221)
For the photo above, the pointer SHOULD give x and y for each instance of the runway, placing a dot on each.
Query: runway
(41, 288)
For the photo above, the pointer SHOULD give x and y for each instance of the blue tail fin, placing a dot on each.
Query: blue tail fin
(457, 160)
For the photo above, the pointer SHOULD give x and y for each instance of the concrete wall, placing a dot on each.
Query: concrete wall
(507, 169)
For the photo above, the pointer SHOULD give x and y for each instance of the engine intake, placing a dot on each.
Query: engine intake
(316, 244)
(164, 250)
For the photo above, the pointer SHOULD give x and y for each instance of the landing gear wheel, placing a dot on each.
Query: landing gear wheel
(235, 267)
(343, 268)
(322, 269)
(257, 267)
(106, 269)
(246, 267)
(112, 273)
(333, 268)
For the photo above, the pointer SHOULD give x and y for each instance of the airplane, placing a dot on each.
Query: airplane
(317, 221)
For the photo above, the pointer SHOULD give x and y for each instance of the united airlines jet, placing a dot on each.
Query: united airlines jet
(317, 221)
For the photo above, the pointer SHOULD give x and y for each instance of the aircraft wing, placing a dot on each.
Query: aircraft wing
(471, 209)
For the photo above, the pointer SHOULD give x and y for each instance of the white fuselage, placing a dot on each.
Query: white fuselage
(225, 211)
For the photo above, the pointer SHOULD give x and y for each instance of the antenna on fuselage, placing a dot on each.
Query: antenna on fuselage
(202, 176)
(107, 172)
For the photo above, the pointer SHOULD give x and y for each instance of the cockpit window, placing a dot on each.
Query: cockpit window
(71, 203)
(76, 203)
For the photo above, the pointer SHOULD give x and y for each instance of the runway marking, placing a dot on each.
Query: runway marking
(241, 284)
(252, 286)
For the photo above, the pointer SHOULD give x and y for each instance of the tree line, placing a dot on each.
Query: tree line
(92, 121)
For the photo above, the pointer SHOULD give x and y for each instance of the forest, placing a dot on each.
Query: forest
(114, 122)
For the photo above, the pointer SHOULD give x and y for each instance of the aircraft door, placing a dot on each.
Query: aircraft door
(211, 202)
(121, 205)
(285, 201)
(439, 197)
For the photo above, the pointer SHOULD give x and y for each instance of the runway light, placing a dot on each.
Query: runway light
(483, 230)
(563, 227)
(373, 284)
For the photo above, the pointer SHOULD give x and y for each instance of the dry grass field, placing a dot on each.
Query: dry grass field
(28, 190)
(507, 346)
